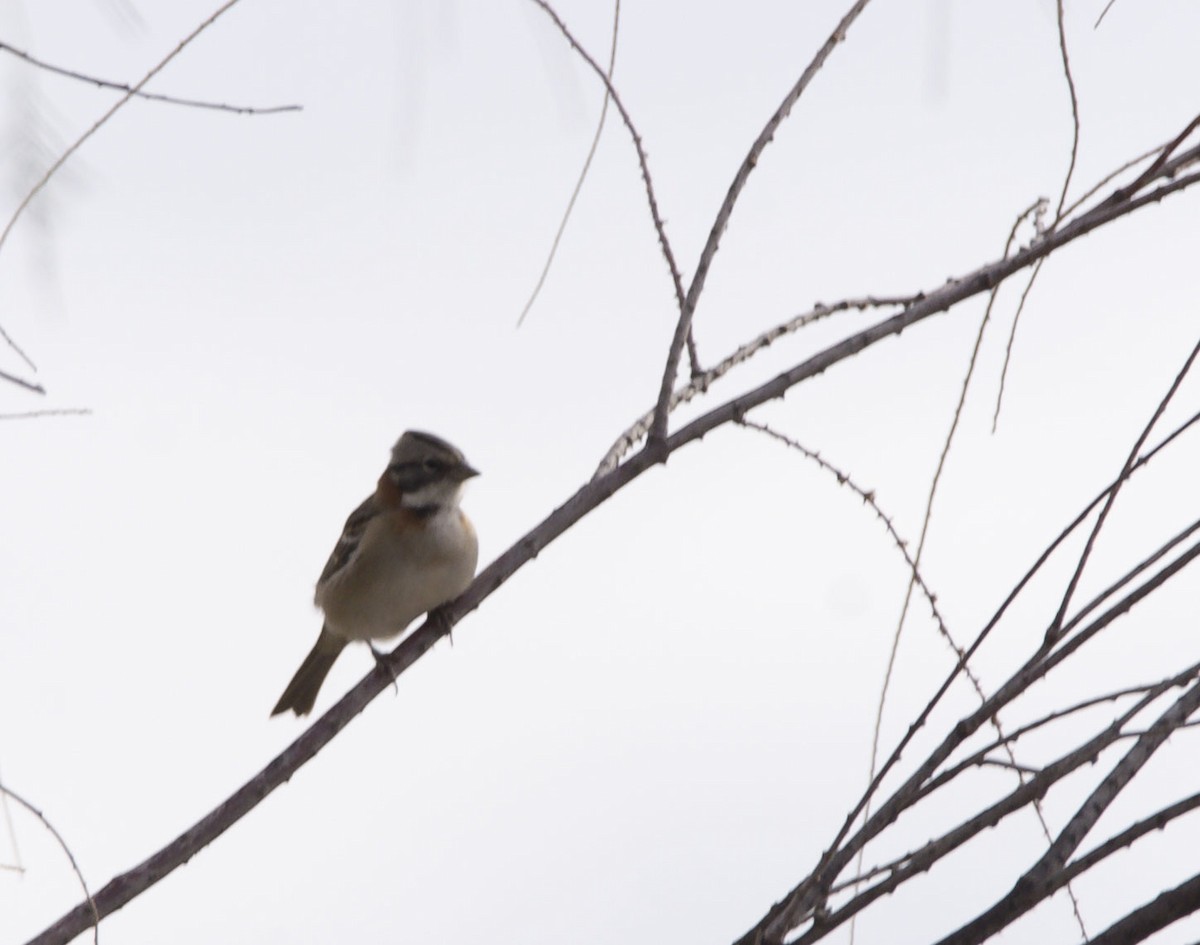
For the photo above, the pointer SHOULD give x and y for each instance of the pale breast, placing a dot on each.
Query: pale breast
(398, 573)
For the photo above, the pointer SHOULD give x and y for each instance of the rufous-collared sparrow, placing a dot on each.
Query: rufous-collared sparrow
(406, 550)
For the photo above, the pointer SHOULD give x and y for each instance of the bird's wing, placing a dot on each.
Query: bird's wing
(356, 526)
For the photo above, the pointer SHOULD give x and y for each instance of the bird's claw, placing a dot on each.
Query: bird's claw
(382, 660)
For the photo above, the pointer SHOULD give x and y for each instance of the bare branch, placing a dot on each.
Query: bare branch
(1163, 910)
(1044, 877)
(1128, 836)
(804, 901)
(125, 887)
(149, 96)
(808, 895)
(1162, 167)
(658, 428)
(1055, 628)
(1110, 177)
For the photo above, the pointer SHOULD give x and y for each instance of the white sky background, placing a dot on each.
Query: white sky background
(653, 730)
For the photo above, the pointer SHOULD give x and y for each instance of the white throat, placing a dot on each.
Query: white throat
(444, 494)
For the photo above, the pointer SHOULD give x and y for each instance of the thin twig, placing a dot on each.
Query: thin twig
(1110, 176)
(802, 899)
(1142, 566)
(1066, 62)
(1054, 631)
(659, 226)
(562, 226)
(50, 172)
(150, 96)
(21, 382)
(933, 486)
(91, 903)
(1012, 335)
(8, 340)
(700, 384)
(658, 429)
(1038, 881)
(1011, 738)
(1162, 166)
(868, 498)
(808, 893)
(1103, 13)
(58, 412)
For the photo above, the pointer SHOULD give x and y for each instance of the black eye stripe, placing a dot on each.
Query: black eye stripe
(413, 474)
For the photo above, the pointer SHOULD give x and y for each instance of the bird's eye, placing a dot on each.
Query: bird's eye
(434, 465)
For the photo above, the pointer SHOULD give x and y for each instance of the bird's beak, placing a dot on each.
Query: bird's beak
(465, 471)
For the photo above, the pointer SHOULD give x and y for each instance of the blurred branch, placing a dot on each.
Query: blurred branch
(8, 340)
(21, 382)
(58, 412)
(136, 91)
(50, 172)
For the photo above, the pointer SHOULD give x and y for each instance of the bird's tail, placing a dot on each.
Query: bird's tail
(301, 692)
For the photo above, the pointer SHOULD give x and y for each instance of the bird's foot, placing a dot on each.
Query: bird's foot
(381, 659)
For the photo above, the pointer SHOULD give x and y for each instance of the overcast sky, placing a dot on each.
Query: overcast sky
(652, 731)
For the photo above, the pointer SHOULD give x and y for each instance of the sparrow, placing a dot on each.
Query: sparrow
(407, 549)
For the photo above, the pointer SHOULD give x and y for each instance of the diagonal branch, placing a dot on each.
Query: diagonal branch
(1056, 627)
(1044, 877)
(21, 382)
